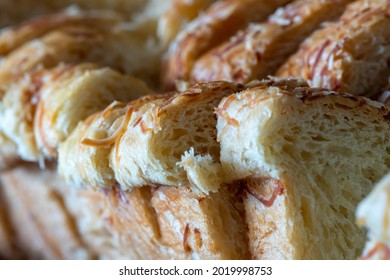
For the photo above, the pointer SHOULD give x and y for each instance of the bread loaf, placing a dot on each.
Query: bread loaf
(218, 23)
(261, 48)
(350, 55)
(298, 150)
(84, 156)
(42, 109)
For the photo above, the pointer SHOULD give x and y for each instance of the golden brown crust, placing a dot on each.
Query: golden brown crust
(261, 48)
(84, 156)
(217, 24)
(349, 55)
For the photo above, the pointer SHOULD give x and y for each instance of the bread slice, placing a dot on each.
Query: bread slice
(198, 226)
(13, 37)
(84, 156)
(374, 213)
(350, 55)
(44, 107)
(146, 223)
(43, 228)
(120, 48)
(177, 16)
(222, 20)
(260, 49)
(306, 157)
(173, 143)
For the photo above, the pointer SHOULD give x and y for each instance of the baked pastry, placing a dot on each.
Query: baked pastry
(13, 12)
(260, 49)
(42, 109)
(120, 49)
(84, 156)
(168, 141)
(146, 223)
(42, 227)
(350, 55)
(374, 213)
(306, 158)
(222, 20)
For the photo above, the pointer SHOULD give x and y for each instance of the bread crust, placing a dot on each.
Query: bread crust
(349, 55)
(260, 49)
(267, 147)
(217, 24)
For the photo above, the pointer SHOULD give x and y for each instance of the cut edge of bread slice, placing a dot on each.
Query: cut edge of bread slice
(174, 143)
(320, 153)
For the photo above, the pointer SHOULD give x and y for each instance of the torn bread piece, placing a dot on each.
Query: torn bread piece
(84, 156)
(173, 143)
(222, 20)
(260, 49)
(306, 157)
(13, 37)
(374, 214)
(350, 55)
(178, 15)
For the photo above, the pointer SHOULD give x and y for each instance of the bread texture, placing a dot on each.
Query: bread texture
(44, 107)
(297, 151)
(42, 226)
(173, 143)
(84, 155)
(350, 55)
(57, 221)
(222, 20)
(261, 48)
(374, 214)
